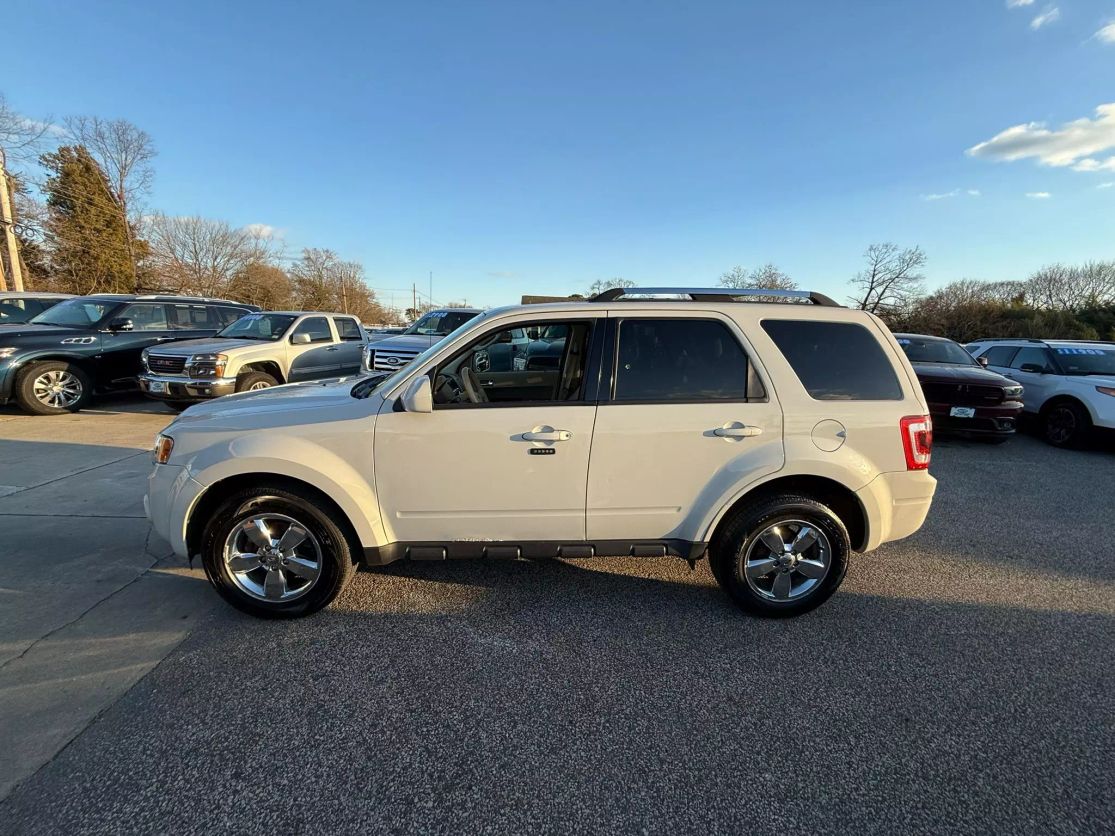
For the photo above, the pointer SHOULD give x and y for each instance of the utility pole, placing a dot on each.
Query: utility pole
(414, 299)
(9, 232)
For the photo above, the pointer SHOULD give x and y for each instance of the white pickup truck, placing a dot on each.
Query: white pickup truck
(257, 351)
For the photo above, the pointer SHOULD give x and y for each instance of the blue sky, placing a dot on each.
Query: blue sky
(533, 147)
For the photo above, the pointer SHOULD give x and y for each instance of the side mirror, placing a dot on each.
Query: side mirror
(982, 361)
(1032, 368)
(418, 395)
(120, 323)
(300, 339)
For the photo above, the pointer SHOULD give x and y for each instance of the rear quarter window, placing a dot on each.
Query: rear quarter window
(835, 361)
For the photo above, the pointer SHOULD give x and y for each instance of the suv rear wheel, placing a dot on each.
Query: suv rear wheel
(1066, 424)
(53, 387)
(783, 557)
(276, 553)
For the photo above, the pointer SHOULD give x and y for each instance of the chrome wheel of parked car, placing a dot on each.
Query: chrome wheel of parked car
(787, 560)
(273, 557)
(259, 384)
(58, 389)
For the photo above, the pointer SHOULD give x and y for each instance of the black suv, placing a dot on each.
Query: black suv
(55, 362)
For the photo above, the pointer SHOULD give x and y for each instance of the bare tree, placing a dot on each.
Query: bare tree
(201, 255)
(22, 138)
(891, 281)
(1062, 287)
(324, 282)
(767, 277)
(600, 285)
(124, 153)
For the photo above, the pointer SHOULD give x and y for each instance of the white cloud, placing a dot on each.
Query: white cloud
(1073, 144)
(1106, 33)
(1038, 195)
(1048, 15)
(974, 192)
(953, 193)
(261, 230)
(38, 125)
(1014, 4)
(1106, 185)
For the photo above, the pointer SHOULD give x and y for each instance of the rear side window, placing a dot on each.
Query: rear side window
(1000, 355)
(347, 328)
(193, 318)
(835, 361)
(679, 360)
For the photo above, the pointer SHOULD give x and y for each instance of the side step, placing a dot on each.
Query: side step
(531, 550)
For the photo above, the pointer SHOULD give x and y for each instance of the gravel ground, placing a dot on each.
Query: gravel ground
(960, 681)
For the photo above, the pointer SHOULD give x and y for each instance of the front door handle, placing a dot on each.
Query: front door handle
(737, 431)
(548, 435)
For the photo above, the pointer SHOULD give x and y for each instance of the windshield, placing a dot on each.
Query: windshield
(75, 313)
(440, 323)
(368, 385)
(1091, 360)
(935, 351)
(259, 327)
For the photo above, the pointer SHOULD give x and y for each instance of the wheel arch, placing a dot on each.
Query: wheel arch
(270, 367)
(835, 495)
(80, 360)
(1065, 398)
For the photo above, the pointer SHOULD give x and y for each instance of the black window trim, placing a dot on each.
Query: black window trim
(607, 393)
(595, 331)
(329, 327)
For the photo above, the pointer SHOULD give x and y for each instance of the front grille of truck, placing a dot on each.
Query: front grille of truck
(388, 360)
(162, 364)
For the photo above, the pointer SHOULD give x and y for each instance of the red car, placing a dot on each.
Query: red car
(963, 396)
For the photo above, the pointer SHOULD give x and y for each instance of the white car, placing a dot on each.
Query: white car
(774, 437)
(1069, 385)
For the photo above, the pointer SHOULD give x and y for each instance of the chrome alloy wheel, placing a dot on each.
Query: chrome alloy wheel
(57, 388)
(259, 384)
(273, 557)
(788, 560)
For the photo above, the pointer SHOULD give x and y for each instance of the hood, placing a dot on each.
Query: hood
(26, 329)
(207, 345)
(1093, 379)
(313, 394)
(404, 342)
(960, 374)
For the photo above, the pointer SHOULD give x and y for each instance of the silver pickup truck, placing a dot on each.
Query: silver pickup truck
(257, 351)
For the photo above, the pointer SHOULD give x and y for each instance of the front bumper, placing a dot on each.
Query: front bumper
(186, 389)
(999, 420)
(171, 493)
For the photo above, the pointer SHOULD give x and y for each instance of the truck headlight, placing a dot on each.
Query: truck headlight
(368, 360)
(208, 365)
(164, 446)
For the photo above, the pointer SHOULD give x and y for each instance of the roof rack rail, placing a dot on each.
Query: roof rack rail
(1007, 340)
(713, 294)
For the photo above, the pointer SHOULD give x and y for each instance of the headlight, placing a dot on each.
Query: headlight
(7, 352)
(1103, 390)
(1012, 391)
(164, 446)
(208, 365)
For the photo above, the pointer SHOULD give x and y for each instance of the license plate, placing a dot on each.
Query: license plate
(158, 386)
(962, 412)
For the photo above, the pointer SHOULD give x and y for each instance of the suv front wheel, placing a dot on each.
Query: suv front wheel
(783, 557)
(52, 387)
(275, 552)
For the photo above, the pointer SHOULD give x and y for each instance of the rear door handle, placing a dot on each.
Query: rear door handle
(550, 435)
(737, 432)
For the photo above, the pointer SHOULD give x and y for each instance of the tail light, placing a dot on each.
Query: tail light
(917, 440)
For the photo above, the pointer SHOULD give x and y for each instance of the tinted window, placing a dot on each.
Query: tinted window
(317, 327)
(678, 359)
(347, 328)
(928, 350)
(78, 313)
(227, 316)
(1035, 356)
(999, 355)
(193, 318)
(508, 365)
(835, 361)
(146, 317)
(440, 323)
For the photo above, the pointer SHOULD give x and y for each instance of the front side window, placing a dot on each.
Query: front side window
(999, 355)
(507, 366)
(835, 361)
(347, 329)
(317, 327)
(75, 313)
(146, 317)
(1032, 357)
(679, 360)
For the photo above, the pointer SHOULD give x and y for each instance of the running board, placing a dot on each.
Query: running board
(531, 550)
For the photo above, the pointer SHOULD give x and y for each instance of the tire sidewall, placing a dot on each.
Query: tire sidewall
(245, 381)
(748, 531)
(1080, 431)
(335, 549)
(25, 394)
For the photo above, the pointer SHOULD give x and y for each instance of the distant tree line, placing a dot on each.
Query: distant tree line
(90, 233)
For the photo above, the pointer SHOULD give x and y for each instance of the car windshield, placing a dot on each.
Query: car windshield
(935, 351)
(440, 323)
(75, 313)
(268, 327)
(1086, 359)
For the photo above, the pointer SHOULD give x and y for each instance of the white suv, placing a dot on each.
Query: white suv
(1069, 385)
(775, 437)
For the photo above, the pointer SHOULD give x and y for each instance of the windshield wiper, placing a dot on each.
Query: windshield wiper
(369, 384)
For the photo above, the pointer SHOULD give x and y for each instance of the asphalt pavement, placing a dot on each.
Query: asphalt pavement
(960, 680)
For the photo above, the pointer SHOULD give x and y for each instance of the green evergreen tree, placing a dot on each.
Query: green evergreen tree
(86, 232)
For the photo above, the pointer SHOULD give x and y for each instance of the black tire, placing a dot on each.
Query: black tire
(71, 374)
(254, 380)
(737, 537)
(1066, 424)
(337, 543)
